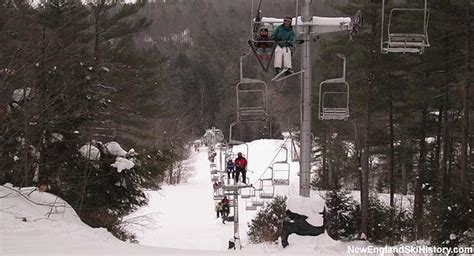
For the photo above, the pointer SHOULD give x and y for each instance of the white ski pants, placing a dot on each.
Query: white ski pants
(282, 54)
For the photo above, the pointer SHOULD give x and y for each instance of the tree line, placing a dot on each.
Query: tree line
(411, 125)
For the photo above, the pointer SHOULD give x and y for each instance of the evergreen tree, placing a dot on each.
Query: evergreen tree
(267, 224)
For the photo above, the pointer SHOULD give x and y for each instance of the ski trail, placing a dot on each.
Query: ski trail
(183, 214)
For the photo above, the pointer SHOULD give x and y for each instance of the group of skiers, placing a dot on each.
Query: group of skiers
(235, 169)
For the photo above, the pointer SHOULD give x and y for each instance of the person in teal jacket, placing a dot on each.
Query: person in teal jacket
(285, 38)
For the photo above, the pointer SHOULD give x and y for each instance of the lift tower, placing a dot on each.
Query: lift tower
(305, 133)
(308, 27)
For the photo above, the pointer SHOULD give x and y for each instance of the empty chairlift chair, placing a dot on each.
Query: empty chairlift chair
(334, 97)
(248, 192)
(281, 170)
(281, 174)
(258, 202)
(251, 100)
(219, 194)
(407, 30)
(251, 97)
(249, 206)
(267, 189)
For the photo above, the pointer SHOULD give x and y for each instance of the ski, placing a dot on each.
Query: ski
(280, 76)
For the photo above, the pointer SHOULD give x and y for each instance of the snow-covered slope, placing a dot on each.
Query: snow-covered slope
(183, 216)
(180, 219)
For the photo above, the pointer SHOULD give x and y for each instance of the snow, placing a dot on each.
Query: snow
(19, 94)
(90, 152)
(122, 164)
(114, 149)
(56, 137)
(179, 220)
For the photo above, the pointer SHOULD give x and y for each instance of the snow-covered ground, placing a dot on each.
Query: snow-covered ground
(183, 216)
(179, 220)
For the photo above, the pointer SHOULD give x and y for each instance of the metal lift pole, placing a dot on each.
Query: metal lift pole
(236, 219)
(305, 159)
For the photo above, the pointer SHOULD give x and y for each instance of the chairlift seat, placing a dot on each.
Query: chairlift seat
(251, 207)
(258, 203)
(281, 182)
(407, 38)
(218, 197)
(406, 43)
(266, 195)
(248, 193)
(247, 114)
(335, 114)
(231, 192)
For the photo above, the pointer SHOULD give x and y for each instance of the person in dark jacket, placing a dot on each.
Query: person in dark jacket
(263, 44)
(240, 168)
(225, 207)
(230, 169)
(285, 38)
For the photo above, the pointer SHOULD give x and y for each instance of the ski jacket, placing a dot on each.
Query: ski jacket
(230, 166)
(263, 45)
(284, 36)
(241, 162)
(225, 202)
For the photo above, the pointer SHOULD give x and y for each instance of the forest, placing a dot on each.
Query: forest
(153, 75)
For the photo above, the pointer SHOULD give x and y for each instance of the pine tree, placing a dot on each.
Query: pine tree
(267, 224)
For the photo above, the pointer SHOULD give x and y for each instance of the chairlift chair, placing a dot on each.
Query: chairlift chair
(413, 40)
(258, 202)
(267, 190)
(334, 97)
(281, 170)
(249, 206)
(251, 100)
(219, 194)
(247, 192)
(281, 174)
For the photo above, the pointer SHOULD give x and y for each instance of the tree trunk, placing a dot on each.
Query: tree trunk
(330, 174)
(403, 161)
(465, 124)
(365, 164)
(444, 157)
(392, 153)
(324, 169)
(418, 206)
